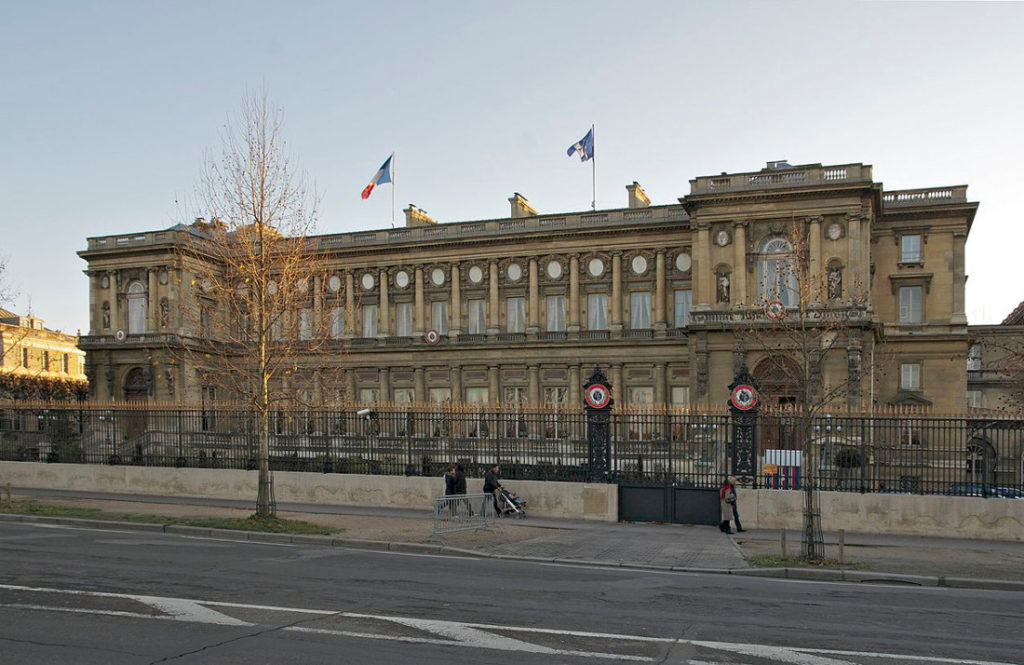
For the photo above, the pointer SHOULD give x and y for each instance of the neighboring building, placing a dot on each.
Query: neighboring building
(995, 364)
(30, 350)
(661, 297)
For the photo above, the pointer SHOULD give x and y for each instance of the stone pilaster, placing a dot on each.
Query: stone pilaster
(738, 290)
(573, 327)
(384, 311)
(494, 313)
(455, 326)
(350, 308)
(659, 294)
(615, 325)
(419, 315)
(533, 318)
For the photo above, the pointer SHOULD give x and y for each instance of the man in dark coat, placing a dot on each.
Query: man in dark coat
(492, 486)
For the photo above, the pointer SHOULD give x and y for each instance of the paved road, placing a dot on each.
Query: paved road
(85, 596)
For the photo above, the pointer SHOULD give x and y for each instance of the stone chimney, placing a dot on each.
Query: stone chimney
(521, 207)
(416, 217)
(637, 196)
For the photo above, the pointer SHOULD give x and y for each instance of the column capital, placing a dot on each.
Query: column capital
(740, 223)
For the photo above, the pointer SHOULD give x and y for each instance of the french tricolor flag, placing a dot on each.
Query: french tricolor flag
(382, 176)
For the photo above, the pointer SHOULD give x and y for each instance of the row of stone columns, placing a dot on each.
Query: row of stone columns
(534, 324)
(534, 387)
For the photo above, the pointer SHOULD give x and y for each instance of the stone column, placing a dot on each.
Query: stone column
(856, 284)
(455, 315)
(349, 329)
(575, 385)
(618, 390)
(703, 293)
(384, 383)
(492, 384)
(573, 323)
(533, 318)
(959, 317)
(418, 314)
(351, 387)
(95, 306)
(533, 384)
(384, 311)
(456, 379)
(494, 315)
(738, 289)
(318, 307)
(616, 321)
(814, 264)
(115, 319)
(153, 306)
(659, 294)
(659, 385)
(419, 384)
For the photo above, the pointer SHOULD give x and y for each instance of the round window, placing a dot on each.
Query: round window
(272, 288)
(367, 281)
(683, 262)
(515, 272)
(639, 265)
(303, 285)
(437, 276)
(554, 269)
(334, 283)
(595, 267)
(402, 279)
(476, 275)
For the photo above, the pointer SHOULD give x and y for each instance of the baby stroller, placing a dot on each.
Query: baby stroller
(510, 504)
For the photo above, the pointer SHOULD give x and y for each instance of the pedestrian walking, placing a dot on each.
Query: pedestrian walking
(460, 487)
(735, 504)
(492, 486)
(449, 480)
(727, 498)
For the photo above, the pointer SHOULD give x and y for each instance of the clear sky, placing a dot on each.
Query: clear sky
(107, 109)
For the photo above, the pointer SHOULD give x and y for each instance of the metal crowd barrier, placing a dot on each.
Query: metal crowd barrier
(463, 512)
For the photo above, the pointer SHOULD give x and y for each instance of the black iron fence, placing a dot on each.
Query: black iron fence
(904, 453)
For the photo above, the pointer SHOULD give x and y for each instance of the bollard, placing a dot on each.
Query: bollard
(783, 543)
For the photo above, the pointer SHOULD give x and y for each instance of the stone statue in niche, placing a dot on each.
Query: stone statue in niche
(106, 315)
(723, 287)
(163, 312)
(835, 283)
(169, 377)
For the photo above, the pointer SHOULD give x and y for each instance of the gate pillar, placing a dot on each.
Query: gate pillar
(597, 400)
(744, 404)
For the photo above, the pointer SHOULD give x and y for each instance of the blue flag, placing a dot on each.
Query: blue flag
(585, 146)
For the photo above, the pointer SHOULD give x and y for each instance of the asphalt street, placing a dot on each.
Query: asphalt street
(71, 595)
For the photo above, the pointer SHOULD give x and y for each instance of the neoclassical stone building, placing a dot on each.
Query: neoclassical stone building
(670, 300)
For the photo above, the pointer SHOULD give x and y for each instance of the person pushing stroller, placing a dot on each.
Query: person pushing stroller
(492, 486)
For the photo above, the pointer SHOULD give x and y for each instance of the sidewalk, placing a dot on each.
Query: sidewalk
(907, 559)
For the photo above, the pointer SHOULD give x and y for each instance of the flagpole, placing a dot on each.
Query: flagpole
(392, 190)
(593, 171)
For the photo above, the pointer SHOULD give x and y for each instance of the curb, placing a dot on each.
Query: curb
(807, 574)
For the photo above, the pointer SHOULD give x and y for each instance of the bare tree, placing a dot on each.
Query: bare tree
(808, 325)
(256, 308)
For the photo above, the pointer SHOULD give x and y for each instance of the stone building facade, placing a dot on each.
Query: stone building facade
(669, 300)
(28, 348)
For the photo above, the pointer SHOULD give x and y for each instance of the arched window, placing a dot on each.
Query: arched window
(776, 272)
(136, 308)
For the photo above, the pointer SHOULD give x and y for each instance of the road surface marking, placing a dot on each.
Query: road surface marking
(465, 634)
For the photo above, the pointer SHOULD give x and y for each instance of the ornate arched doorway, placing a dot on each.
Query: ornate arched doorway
(136, 384)
(778, 380)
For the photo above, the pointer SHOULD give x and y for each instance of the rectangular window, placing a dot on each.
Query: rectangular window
(640, 310)
(403, 319)
(477, 317)
(369, 320)
(24, 357)
(477, 395)
(910, 249)
(910, 304)
(439, 395)
(641, 422)
(555, 307)
(974, 358)
(337, 322)
(683, 302)
(439, 317)
(597, 311)
(910, 376)
(66, 364)
(974, 399)
(306, 324)
(680, 395)
(46, 361)
(515, 319)
(369, 395)
(404, 396)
